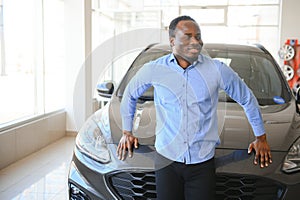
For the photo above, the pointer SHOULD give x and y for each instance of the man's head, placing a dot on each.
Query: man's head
(185, 38)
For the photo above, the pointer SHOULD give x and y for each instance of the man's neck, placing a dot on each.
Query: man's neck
(182, 62)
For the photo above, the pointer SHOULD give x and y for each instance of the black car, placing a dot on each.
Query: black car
(97, 173)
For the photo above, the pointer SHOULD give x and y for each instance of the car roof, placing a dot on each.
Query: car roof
(218, 47)
(235, 47)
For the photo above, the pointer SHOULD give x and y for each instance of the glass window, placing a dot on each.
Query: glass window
(206, 15)
(249, 2)
(159, 3)
(203, 2)
(54, 54)
(118, 67)
(126, 21)
(32, 43)
(102, 27)
(245, 23)
(21, 61)
(253, 15)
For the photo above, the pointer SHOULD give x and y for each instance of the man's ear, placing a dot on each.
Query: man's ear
(172, 40)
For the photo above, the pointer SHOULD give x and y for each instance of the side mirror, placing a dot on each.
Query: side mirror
(297, 95)
(105, 89)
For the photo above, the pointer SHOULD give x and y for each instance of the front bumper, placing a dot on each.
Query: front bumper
(237, 178)
(85, 184)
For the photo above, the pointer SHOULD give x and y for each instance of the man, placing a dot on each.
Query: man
(186, 85)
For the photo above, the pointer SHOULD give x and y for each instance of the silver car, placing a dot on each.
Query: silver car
(97, 173)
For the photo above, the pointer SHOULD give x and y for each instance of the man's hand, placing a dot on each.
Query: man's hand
(262, 151)
(127, 141)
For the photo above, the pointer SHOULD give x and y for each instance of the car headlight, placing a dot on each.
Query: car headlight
(91, 142)
(292, 159)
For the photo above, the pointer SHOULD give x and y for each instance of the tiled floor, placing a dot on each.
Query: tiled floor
(40, 176)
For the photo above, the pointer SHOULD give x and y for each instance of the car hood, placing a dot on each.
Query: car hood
(281, 124)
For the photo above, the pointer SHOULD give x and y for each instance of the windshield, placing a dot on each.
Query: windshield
(256, 69)
(144, 57)
(259, 72)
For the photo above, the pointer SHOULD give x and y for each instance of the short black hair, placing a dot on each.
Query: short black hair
(174, 23)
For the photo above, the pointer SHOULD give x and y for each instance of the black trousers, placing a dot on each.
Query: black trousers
(179, 181)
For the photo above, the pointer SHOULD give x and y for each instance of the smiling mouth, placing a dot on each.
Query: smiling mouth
(193, 50)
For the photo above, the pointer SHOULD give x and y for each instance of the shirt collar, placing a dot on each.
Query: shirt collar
(172, 59)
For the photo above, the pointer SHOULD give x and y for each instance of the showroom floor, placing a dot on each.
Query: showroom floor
(42, 175)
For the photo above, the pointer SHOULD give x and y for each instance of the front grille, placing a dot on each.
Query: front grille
(141, 186)
(237, 187)
(133, 185)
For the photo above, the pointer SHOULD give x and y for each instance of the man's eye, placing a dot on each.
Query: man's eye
(187, 37)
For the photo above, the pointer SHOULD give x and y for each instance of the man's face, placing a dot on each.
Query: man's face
(187, 42)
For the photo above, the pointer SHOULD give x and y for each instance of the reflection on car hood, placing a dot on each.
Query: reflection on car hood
(234, 129)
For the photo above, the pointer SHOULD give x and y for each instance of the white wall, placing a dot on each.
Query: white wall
(290, 15)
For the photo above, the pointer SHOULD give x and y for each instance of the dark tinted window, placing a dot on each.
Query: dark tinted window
(259, 73)
(144, 57)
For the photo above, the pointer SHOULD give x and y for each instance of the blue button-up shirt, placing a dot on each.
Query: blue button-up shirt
(186, 105)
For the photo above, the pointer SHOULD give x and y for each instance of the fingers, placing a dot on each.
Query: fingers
(129, 146)
(256, 159)
(126, 143)
(270, 156)
(120, 151)
(136, 142)
(250, 148)
(123, 156)
(264, 159)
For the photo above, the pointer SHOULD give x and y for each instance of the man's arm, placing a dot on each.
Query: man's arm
(239, 91)
(135, 88)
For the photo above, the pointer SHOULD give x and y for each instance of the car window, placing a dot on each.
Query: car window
(259, 73)
(143, 58)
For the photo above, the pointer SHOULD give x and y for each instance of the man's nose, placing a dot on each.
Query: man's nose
(195, 40)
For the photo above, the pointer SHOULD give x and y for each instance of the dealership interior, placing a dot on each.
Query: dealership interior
(54, 53)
